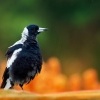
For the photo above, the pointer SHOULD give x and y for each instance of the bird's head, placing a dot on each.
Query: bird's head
(32, 31)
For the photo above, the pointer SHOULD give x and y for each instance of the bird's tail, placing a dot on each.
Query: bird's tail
(3, 84)
(6, 83)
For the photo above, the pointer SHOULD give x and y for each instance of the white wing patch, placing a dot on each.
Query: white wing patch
(13, 57)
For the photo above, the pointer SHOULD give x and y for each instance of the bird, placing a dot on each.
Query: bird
(24, 59)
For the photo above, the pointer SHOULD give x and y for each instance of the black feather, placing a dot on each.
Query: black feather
(27, 64)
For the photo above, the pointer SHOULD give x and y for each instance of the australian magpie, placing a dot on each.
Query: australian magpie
(24, 59)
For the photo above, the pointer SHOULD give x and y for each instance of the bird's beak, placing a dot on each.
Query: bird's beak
(42, 29)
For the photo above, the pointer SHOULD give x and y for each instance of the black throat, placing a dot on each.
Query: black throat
(31, 41)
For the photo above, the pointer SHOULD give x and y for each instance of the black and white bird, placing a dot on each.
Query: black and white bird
(24, 59)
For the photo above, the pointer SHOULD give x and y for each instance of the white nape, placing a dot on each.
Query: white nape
(24, 35)
(23, 38)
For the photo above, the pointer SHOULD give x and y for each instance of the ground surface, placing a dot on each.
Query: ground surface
(21, 95)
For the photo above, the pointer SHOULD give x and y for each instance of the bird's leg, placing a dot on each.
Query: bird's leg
(21, 85)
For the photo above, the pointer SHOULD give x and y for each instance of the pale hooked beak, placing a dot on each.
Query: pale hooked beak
(42, 29)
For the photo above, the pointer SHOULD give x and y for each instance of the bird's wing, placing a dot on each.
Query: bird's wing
(12, 49)
(9, 54)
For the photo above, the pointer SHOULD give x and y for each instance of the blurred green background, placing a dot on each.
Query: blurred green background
(73, 35)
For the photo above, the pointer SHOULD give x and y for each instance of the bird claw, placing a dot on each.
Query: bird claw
(21, 85)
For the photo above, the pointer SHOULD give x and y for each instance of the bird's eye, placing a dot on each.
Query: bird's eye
(33, 29)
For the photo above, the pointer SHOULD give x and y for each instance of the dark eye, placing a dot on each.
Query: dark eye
(33, 28)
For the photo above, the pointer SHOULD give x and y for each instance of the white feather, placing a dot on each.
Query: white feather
(8, 84)
(13, 57)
